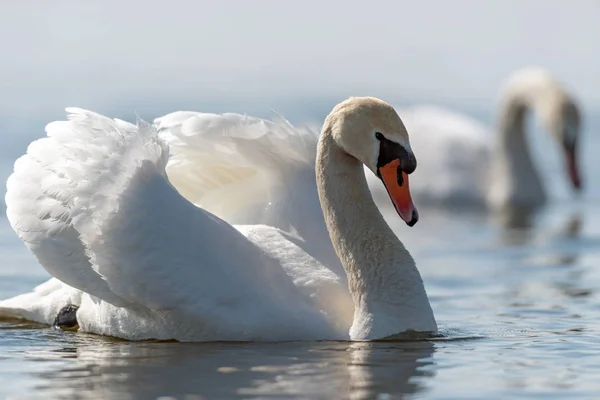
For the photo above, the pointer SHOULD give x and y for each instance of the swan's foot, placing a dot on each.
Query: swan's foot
(66, 319)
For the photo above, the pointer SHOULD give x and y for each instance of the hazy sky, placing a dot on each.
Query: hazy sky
(105, 53)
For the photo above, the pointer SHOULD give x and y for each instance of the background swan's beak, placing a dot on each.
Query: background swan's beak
(396, 183)
(572, 166)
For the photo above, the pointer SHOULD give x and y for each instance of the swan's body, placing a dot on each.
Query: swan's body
(94, 204)
(471, 166)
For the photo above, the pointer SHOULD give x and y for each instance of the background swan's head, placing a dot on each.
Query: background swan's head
(562, 120)
(370, 130)
(537, 89)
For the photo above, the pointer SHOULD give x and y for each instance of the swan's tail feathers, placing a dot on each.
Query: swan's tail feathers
(232, 156)
(42, 304)
(53, 183)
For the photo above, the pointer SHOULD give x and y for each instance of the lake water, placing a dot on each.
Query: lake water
(519, 308)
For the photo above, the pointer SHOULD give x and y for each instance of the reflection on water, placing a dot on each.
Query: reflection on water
(524, 230)
(514, 218)
(94, 367)
(390, 368)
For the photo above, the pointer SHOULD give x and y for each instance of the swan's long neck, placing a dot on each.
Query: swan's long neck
(386, 287)
(515, 181)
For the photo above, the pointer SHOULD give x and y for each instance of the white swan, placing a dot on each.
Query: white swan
(93, 203)
(470, 169)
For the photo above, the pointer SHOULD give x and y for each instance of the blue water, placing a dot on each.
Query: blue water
(520, 309)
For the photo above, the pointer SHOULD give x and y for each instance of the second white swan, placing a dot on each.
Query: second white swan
(474, 167)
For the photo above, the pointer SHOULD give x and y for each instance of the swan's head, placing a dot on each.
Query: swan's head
(370, 130)
(557, 111)
(561, 118)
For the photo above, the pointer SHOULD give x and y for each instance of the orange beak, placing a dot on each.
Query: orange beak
(572, 167)
(396, 183)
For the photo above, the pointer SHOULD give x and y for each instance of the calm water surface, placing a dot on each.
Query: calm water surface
(520, 309)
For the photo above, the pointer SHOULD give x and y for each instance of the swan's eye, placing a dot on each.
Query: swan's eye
(390, 151)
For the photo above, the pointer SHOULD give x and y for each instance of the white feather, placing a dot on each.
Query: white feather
(249, 170)
(93, 203)
(232, 156)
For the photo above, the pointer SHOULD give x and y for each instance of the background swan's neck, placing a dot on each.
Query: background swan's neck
(514, 180)
(386, 287)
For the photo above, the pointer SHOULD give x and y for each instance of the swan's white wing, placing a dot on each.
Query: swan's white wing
(143, 244)
(453, 154)
(40, 207)
(231, 164)
(249, 170)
